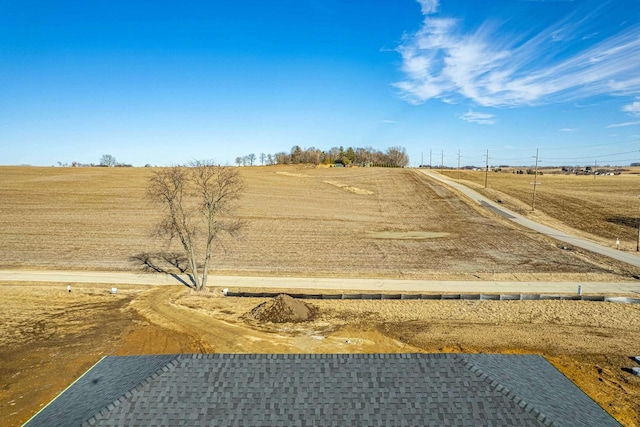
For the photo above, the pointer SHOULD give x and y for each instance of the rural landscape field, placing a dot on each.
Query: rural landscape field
(301, 221)
(601, 207)
(348, 222)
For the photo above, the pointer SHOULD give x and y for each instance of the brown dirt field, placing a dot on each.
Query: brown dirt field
(335, 222)
(50, 337)
(602, 209)
(389, 223)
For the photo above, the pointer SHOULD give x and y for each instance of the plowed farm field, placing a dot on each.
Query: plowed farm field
(344, 222)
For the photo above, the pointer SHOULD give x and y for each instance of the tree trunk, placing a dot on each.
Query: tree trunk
(194, 269)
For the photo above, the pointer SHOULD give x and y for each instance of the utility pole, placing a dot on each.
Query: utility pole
(486, 172)
(595, 169)
(535, 183)
(421, 159)
(430, 150)
(458, 164)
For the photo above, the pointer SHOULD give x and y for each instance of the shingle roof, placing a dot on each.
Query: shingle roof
(103, 384)
(333, 389)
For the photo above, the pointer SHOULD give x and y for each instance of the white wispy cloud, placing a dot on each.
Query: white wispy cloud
(620, 125)
(429, 6)
(567, 130)
(479, 118)
(633, 108)
(389, 122)
(590, 36)
(444, 61)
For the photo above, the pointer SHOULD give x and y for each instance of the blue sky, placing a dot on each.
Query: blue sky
(164, 82)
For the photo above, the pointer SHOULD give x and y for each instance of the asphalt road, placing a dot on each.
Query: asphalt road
(626, 257)
(311, 283)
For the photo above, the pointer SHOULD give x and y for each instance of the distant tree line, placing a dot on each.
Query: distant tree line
(107, 160)
(395, 157)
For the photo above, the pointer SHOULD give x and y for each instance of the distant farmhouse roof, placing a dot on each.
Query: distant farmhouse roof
(323, 390)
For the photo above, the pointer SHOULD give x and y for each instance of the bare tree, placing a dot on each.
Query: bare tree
(263, 157)
(397, 157)
(282, 158)
(107, 160)
(198, 212)
(252, 158)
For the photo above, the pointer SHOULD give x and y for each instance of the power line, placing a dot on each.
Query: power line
(608, 158)
(636, 140)
(596, 156)
(547, 159)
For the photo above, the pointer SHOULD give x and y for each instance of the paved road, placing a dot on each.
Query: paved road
(379, 285)
(626, 257)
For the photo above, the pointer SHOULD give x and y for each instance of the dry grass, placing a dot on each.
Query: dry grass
(301, 221)
(605, 208)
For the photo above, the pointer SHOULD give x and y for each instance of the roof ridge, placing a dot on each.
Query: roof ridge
(505, 391)
(225, 356)
(129, 393)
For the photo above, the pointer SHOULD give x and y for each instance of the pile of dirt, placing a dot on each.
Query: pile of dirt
(283, 309)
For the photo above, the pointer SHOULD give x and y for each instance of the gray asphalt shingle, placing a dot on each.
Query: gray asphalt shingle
(314, 390)
(543, 387)
(99, 387)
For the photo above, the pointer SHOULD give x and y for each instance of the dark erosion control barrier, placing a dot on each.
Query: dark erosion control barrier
(482, 297)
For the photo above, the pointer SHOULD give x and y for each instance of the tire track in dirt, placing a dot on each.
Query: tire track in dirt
(213, 335)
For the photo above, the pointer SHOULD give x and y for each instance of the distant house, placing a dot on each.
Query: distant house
(323, 390)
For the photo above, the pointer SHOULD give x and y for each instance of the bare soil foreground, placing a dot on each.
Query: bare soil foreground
(49, 337)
